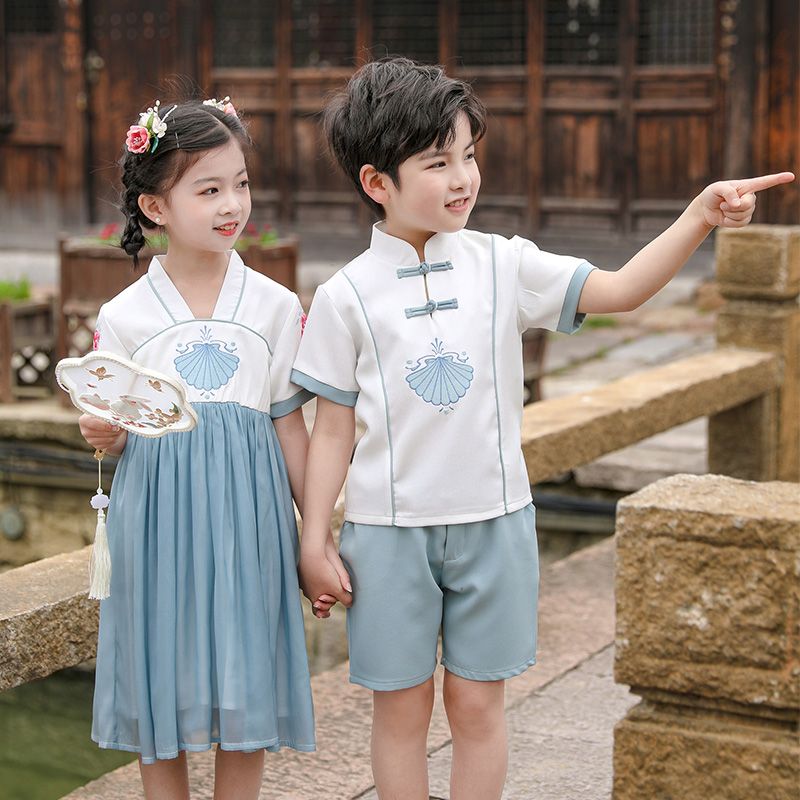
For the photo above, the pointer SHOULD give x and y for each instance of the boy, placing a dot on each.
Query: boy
(420, 337)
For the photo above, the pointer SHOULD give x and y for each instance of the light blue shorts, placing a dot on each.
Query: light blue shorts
(476, 582)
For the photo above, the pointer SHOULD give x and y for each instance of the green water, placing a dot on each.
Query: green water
(45, 749)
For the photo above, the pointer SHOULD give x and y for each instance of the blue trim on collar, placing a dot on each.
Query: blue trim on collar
(241, 295)
(158, 296)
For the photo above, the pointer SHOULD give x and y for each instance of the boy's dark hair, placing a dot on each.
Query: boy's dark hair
(392, 109)
(192, 129)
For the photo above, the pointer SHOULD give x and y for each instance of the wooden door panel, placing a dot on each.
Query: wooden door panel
(132, 50)
(672, 155)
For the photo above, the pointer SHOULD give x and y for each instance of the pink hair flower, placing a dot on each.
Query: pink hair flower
(138, 139)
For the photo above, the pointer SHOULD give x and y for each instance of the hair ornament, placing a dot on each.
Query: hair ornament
(143, 138)
(224, 105)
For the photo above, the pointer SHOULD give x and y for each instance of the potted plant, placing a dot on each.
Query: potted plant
(26, 342)
(94, 268)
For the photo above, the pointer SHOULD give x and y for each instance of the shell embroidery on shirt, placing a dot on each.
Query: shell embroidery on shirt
(206, 363)
(441, 379)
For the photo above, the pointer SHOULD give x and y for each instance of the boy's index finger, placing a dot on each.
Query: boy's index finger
(763, 182)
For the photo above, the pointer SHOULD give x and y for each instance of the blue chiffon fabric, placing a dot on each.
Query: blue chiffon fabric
(202, 638)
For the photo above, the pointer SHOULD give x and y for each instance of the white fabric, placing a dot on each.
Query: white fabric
(243, 353)
(429, 456)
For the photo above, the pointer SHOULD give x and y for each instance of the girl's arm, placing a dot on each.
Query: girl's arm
(293, 438)
(102, 435)
(728, 204)
(321, 569)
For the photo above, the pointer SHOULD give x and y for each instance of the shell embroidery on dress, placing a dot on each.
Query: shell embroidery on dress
(441, 379)
(206, 363)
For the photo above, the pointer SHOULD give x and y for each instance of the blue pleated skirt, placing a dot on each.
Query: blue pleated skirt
(202, 639)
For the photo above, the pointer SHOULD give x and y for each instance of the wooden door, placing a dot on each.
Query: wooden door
(603, 113)
(32, 132)
(136, 52)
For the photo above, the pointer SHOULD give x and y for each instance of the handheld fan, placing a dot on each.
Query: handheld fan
(126, 394)
(137, 399)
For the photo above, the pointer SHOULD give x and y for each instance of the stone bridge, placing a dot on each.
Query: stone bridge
(706, 574)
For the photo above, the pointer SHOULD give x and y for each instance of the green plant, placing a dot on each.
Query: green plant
(15, 290)
(600, 322)
(264, 236)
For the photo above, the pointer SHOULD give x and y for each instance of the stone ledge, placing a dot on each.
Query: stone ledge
(45, 420)
(566, 432)
(717, 509)
(576, 613)
(47, 621)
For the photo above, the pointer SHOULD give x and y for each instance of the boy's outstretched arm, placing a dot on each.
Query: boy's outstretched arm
(728, 204)
(321, 569)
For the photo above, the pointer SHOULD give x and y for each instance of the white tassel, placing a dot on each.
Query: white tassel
(100, 564)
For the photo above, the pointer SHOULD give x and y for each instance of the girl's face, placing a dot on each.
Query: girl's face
(209, 206)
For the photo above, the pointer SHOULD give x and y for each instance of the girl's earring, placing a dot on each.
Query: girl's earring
(158, 220)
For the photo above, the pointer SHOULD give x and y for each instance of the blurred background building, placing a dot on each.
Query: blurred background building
(606, 115)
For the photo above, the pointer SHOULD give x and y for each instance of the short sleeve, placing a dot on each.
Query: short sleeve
(326, 360)
(549, 288)
(285, 395)
(105, 337)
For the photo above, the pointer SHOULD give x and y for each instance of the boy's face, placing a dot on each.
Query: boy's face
(437, 189)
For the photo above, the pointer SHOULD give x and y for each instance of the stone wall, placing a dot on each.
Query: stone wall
(708, 634)
(47, 476)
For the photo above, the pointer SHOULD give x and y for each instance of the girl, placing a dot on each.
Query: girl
(202, 640)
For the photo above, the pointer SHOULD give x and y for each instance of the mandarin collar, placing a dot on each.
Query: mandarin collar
(228, 300)
(440, 247)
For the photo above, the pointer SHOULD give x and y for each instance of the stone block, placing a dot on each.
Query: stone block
(672, 752)
(47, 621)
(759, 261)
(775, 328)
(708, 590)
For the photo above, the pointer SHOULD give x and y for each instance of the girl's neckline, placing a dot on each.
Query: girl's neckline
(225, 305)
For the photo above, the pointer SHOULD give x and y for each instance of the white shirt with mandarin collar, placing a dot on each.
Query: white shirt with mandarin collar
(430, 356)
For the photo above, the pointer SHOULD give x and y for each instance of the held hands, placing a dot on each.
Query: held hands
(102, 435)
(324, 579)
(730, 204)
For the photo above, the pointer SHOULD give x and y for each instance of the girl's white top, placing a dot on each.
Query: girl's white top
(243, 353)
(430, 356)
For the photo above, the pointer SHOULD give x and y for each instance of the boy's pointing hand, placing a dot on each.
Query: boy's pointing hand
(730, 204)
